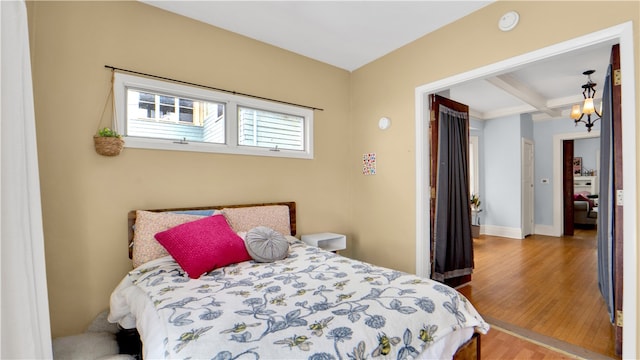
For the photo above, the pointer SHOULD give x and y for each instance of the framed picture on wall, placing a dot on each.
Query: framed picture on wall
(577, 166)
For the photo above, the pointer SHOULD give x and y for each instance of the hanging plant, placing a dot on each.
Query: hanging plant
(108, 142)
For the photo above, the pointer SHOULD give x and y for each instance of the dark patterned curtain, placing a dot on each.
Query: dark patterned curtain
(606, 201)
(452, 229)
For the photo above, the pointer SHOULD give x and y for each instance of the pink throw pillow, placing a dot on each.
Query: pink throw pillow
(581, 197)
(204, 245)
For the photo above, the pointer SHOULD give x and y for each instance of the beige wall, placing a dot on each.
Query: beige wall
(386, 88)
(86, 197)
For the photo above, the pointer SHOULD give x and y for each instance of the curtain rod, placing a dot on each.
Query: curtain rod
(210, 87)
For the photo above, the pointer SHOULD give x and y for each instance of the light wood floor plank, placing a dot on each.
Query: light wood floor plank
(501, 345)
(547, 285)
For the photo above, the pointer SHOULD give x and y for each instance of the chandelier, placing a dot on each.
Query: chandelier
(588, 108)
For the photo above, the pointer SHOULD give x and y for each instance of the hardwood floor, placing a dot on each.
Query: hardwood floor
(543, 285)
(499, 344)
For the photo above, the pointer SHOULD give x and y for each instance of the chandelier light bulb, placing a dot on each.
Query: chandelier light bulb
(588, 106)
(575, 112)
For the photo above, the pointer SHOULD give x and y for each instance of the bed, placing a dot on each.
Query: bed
(306, 304)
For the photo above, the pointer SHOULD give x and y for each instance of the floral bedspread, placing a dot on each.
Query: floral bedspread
(313, 304)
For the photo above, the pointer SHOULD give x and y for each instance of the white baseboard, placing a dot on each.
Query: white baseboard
(548, 230)
(516, 233)
(502, 231)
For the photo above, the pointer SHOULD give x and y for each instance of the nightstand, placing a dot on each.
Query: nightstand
(326, 241)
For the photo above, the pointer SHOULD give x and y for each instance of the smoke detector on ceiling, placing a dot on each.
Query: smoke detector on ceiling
(508, 21)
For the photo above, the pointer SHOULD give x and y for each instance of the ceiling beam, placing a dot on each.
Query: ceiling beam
(520, 90)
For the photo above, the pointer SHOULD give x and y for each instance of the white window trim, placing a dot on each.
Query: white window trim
(124, 81)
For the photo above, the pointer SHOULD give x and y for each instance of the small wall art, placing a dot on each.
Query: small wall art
(577, 166)
(369, 164)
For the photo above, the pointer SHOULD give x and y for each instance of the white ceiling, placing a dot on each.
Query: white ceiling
(346, 34)
(350, 34)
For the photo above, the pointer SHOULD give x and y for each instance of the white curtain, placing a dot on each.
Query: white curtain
(24, 307)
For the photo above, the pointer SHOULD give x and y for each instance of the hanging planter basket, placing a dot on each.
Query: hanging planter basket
(107, 141)
(108, 146)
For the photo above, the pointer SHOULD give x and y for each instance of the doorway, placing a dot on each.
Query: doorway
(624, 35)
(568, 219)
(558, 208)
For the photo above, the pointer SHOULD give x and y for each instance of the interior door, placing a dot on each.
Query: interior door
(527, 188)
(567, 186)
(435, 101)
(610, 216)
(616, 112)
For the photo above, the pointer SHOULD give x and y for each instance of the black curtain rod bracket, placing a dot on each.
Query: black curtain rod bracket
(113, 68)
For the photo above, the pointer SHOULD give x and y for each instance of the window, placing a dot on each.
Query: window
(269, 129)
(155, 114)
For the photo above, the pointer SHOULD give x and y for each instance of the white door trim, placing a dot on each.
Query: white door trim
(623, 33)
(558, 209)
(528, 225)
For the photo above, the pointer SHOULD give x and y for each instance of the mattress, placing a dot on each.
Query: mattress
(313, 304)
